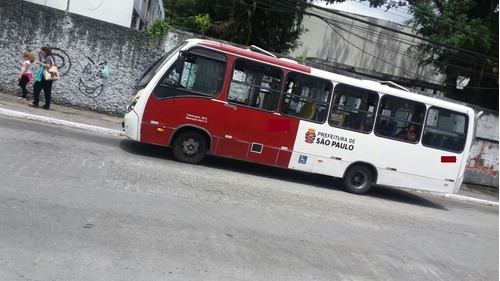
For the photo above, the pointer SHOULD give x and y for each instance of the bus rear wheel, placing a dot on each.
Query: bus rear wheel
(358, 179)
(190, 147)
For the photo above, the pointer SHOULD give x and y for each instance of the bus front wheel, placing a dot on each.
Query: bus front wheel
(358, 179)
(190, 147)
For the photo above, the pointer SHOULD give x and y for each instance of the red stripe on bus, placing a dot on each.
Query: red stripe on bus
(448, 159)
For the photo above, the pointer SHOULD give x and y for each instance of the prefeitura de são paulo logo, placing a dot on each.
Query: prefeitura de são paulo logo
(310, 135)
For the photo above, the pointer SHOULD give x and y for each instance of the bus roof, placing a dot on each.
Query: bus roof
(257, 56)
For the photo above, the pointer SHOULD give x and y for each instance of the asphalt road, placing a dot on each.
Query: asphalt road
(82, 206)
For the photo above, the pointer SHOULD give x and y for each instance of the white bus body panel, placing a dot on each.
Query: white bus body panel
(397, 163)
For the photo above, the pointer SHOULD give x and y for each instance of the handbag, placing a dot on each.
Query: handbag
(39, 74)
(51, 73)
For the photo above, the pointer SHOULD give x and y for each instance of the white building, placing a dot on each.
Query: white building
(137, 14)
(364, 47)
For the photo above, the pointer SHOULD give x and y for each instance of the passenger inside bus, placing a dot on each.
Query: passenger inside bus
(408, 133)
(386, 128)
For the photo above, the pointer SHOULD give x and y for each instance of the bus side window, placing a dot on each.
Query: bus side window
(400, 119)
(445, 129)
(306, 97)
(353, 108)
(255, 85)
(197, 71)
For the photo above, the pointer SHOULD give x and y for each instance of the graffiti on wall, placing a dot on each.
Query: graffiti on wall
(484, 158)
(91, 81)
(62, 59)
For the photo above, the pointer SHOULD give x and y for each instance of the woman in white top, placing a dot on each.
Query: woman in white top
(26, 74)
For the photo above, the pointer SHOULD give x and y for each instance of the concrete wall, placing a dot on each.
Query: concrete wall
(82, 48)
(482, 165)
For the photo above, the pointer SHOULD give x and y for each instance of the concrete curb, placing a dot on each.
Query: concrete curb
(49, 120)
(470, 199)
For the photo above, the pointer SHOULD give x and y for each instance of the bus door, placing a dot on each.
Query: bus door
(254, 131)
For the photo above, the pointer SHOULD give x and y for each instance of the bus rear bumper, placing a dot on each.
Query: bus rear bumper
(130, 125)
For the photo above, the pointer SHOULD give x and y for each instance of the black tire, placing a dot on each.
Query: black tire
(358, 179)
(190, 147)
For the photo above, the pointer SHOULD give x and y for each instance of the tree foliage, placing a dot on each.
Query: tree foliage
(180, 14)
(203, 22)
(269, 24)
(464, 42)
(157, 31)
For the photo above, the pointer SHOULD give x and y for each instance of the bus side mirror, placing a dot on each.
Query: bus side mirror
(179, 64)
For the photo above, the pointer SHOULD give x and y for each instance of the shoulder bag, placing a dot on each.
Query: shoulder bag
(51, 73)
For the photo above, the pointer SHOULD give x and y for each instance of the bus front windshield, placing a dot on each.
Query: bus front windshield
(151, 71)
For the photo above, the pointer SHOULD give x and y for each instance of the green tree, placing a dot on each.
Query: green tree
(157, 31)
(272, 25)
(203, 22)
(469, 25)
(180, 14)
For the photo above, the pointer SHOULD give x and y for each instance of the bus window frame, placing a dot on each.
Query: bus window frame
(380, 117)
(204, 52)
(255, 86)
(151, 71)
(354, 110)
(285, 95)
(435, 130)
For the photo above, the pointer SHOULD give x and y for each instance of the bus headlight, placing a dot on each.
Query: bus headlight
(133, 101)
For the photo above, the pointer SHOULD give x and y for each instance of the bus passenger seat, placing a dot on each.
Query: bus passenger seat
(307, 111)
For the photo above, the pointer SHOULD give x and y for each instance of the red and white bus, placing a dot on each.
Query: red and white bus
(205, 97)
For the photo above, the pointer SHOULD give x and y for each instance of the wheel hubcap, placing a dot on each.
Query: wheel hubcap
(190, 147)
(358, 180)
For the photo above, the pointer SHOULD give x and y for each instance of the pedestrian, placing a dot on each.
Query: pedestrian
(24, 78)
(45, 85)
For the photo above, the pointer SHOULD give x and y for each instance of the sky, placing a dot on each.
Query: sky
(363, 8)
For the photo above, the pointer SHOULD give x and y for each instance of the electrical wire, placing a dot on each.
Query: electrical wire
(389, 34)
(308, 5)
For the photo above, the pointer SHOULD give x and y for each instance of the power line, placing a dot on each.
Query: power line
(394, 30)
(337, 25)
(284, 6)
(361, 30)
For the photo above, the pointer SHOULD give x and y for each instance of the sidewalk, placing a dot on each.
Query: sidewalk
(73, 117)
(102, 123)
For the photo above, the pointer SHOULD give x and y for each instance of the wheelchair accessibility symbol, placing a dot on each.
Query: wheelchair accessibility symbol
(302, 159)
